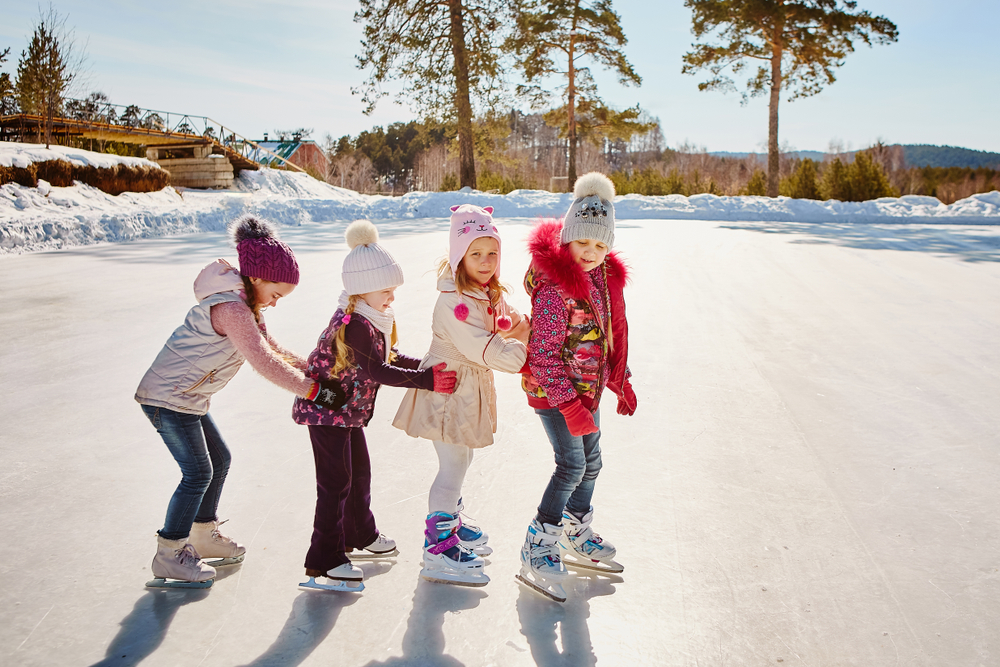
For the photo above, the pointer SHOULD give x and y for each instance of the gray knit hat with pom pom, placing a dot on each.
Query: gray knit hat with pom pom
(592, 213)
(261, 254)
(368, 267)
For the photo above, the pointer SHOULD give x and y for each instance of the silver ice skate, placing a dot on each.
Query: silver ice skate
(541, 568)
(584, 549)
(344, 578)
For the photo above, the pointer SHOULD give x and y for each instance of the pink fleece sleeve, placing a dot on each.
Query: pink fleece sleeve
(548, 333)
(289, 356)
(236, 321)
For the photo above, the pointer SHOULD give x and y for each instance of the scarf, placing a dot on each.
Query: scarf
(381, 321)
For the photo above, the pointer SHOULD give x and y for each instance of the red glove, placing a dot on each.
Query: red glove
(444, 381)
(579, 420)
(627, 401)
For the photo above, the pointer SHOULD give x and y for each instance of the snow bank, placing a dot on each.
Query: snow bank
(21, 155)
(54, 217)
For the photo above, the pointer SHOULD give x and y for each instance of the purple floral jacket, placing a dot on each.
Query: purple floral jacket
(360, 381)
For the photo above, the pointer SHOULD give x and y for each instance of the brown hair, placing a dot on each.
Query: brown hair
(342, 353)
(251, 297)
(464, 284)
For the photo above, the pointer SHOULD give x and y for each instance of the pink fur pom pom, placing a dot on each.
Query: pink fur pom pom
(347, 319)
(461, 312)
(504, 323)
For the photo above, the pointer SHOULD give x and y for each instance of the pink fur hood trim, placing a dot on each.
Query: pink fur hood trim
(553, 260)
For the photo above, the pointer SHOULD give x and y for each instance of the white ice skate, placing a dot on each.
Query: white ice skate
(541, 568)
(582, 548)
(472, 536)
(382, 547)
(210, 543)
(446, 561)
(178, 565)
(345, 578)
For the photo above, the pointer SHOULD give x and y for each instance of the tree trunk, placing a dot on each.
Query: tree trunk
(773, 157)
(49, 113)
(571, 109)
(463, 105)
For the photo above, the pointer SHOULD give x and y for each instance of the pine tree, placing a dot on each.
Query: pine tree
(446, 53)
(797, 42)
(551, 36)
(46, 70)
(802, 183)
(6, 87)
(868, 179)
(757, 185)
(835, 184)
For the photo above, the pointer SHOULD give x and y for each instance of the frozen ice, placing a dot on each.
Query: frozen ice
(810, 476)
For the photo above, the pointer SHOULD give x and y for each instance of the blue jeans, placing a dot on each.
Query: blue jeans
(578, 461)
(196, 445)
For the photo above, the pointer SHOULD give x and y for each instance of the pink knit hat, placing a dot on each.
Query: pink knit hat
(261, 254)
(468, 223)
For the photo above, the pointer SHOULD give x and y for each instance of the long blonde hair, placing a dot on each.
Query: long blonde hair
(342, 353)
(465, 284)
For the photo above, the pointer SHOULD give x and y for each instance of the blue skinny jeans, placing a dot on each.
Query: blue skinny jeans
(578, 462)
(196, 445)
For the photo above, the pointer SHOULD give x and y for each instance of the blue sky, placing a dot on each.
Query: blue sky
(258, 66)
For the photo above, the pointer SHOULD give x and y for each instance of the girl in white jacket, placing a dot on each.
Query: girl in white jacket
(475, 331)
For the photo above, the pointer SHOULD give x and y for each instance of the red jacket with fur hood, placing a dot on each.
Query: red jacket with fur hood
(579, 334)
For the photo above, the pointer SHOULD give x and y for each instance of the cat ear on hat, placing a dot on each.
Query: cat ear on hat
(455, 207)
(488, 209)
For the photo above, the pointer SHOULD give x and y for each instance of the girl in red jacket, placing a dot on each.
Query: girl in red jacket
(578, 347)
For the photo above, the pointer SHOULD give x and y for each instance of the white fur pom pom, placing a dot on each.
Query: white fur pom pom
(594, 183)
(361, 232)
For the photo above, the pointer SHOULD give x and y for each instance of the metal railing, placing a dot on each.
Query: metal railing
(170, 124)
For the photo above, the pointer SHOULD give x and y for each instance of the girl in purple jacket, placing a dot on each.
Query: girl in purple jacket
(357, 349)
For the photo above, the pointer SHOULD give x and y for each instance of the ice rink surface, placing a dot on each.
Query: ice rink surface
(810, 478)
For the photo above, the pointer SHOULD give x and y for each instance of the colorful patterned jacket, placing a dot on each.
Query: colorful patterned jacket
(579, 334)
(360, 381)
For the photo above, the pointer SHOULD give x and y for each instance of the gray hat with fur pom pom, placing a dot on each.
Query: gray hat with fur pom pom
(592, 213)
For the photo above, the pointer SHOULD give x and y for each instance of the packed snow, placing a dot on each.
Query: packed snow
(54, 217)
(14, 154)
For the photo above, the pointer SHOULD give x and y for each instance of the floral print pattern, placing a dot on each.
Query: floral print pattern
(361, 390)
(568, 348)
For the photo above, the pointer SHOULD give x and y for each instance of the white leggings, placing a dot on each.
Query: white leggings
(453, 463)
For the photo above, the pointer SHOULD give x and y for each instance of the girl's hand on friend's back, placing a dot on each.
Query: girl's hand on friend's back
(444, 381)
(520, 331)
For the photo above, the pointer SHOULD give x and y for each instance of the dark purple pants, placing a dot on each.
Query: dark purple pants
(344, 518)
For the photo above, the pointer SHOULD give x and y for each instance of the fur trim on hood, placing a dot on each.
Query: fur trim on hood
(552, 262)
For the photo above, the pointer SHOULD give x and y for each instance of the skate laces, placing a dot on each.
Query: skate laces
(464, 520)
(187, 555)
(545, 555)
(216, 535)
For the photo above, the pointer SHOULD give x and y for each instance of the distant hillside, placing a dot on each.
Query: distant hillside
(922, 155)
(916, 155)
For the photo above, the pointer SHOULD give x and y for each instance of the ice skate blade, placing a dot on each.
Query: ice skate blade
(372, 555)
(576, 561)
(438, 577)
(160, 582)
(222, 562)
(557, 593)
(342, 585)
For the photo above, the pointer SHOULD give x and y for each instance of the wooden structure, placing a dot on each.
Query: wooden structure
(207, 160)
(193, 165)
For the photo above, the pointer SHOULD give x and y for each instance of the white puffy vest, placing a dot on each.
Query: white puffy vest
(194, 363)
